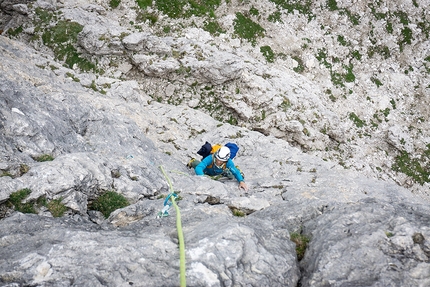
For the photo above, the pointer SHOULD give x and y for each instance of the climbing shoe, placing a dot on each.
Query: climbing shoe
(190, 163)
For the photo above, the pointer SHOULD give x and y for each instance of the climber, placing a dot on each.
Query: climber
(218, 163)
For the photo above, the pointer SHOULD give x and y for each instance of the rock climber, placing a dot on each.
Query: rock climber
(218, 163)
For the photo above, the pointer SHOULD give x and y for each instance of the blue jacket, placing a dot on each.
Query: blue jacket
(203, 168)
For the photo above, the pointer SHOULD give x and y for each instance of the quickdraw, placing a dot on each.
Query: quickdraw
(165, 212)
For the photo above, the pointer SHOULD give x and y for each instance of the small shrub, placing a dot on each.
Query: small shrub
(301, 242)
(389, 234)
(109, 202)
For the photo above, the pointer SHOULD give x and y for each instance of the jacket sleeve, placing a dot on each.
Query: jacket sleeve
(234, 170)
(203, 164)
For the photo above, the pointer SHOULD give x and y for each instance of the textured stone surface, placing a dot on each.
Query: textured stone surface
(114, 132)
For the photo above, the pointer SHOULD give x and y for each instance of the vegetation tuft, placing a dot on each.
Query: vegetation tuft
(186, 8)
(44, 157)
(144, 3)
(16, 199)
(268, 53)
(109, 202)
(61, 37)
(303, 7)
(357, 121)
(114, 3)
(56, 207)
(245, 28)
(213, 27)
(301, 242)
(237, 212)
(418, 168)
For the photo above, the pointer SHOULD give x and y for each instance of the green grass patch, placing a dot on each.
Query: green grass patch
(300, 65)
(384, 51)
(357, 121)
(144, 3)
(213, 27)
(407, 38)
(376, 81)
(15, 32)
(245, 28)
(322, 58)
(303, 7)
(357, 55)
(16, 199)
(301, 242)
(152, 17)
(332, 5)
(349, 76)
(56, 207)
(43, 16)
(114, 3)
(254, 11)
(109, 202)
(342, 41)
(275, 17)
(268, 53)
(187, 8)
(237, 212)
(61, 38)
(417, 168)
(44, 157)
(354, 18)
(6, 173)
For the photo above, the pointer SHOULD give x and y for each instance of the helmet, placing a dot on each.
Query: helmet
(223, 153)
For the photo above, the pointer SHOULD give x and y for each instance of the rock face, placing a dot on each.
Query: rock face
(343, 81)
(132, 129)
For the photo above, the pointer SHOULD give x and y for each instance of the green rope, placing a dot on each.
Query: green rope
(183, 281)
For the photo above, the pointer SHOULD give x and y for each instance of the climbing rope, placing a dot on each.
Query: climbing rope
(165, 212)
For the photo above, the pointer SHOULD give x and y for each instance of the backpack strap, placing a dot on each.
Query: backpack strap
(224, 165)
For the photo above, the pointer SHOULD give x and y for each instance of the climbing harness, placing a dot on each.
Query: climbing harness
(165, 212)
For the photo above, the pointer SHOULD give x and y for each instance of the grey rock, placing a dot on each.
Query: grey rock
(363, 231)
